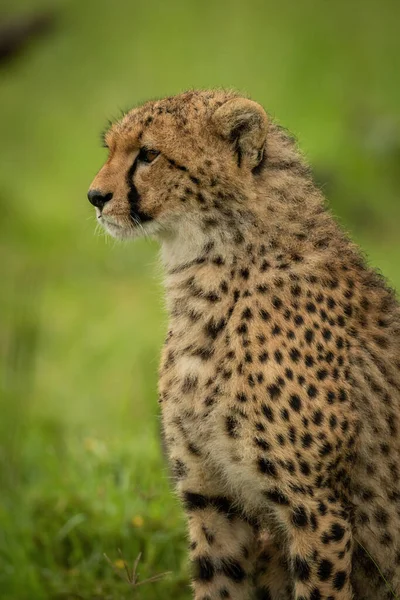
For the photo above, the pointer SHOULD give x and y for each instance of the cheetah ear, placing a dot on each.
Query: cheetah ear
(244, 123)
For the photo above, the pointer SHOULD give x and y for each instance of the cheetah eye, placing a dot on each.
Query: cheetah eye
(147, 155)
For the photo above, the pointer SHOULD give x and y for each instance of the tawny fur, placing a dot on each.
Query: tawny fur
(280, 375)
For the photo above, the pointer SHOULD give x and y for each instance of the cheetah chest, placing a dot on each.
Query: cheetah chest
(190, 391)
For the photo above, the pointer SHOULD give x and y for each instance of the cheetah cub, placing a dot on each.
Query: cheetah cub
(280, 375)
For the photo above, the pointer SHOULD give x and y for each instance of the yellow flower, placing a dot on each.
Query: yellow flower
(119, 563)
(137, 521)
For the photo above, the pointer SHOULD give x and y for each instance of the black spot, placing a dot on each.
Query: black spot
(326, 448)
(381, 516)
(309, 336)
(204, 569)
(247, 314)
(301, 569)
(299, 517)
(312, 391)
(276, 302)
(330, 396)
(242, 329)
(309, 361)
(262, 289)
(231, 426)
(274, 391)
(290, 466)
(265, 315)
(214, 328)
(212, 297)
(348, 310)
(294, 355)
(285, 414)
(340, 343)
(280, 439)
(305, 468)
(385, 448)
(325, 569)
(292, 434)
(233, 569)
(268, 412)
(289, 374)
(337, 532)
(193, 449)
(295, 402)
(203, 353)
(322, 374)
(331, 303)
(295, 290)
(306, 440)
(339, 580)
(298, 320)
(267, 467)
(277, 497)
(261, 443)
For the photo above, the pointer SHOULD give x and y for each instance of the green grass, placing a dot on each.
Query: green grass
(81, 318)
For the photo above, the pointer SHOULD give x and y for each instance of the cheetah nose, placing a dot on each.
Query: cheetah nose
(98, 199)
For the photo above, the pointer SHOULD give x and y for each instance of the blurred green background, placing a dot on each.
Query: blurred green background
(82, 319)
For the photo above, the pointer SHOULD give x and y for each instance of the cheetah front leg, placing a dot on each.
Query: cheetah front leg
(222, 542)
(221, 551)
(318, 538)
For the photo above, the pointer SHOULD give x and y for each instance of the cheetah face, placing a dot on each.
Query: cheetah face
(183, 160)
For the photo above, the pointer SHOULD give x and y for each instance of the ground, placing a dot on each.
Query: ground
(82, 321)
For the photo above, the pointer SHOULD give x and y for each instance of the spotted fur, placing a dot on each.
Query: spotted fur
(280, 375)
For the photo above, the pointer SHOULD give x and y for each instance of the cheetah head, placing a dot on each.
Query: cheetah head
(187, 161)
